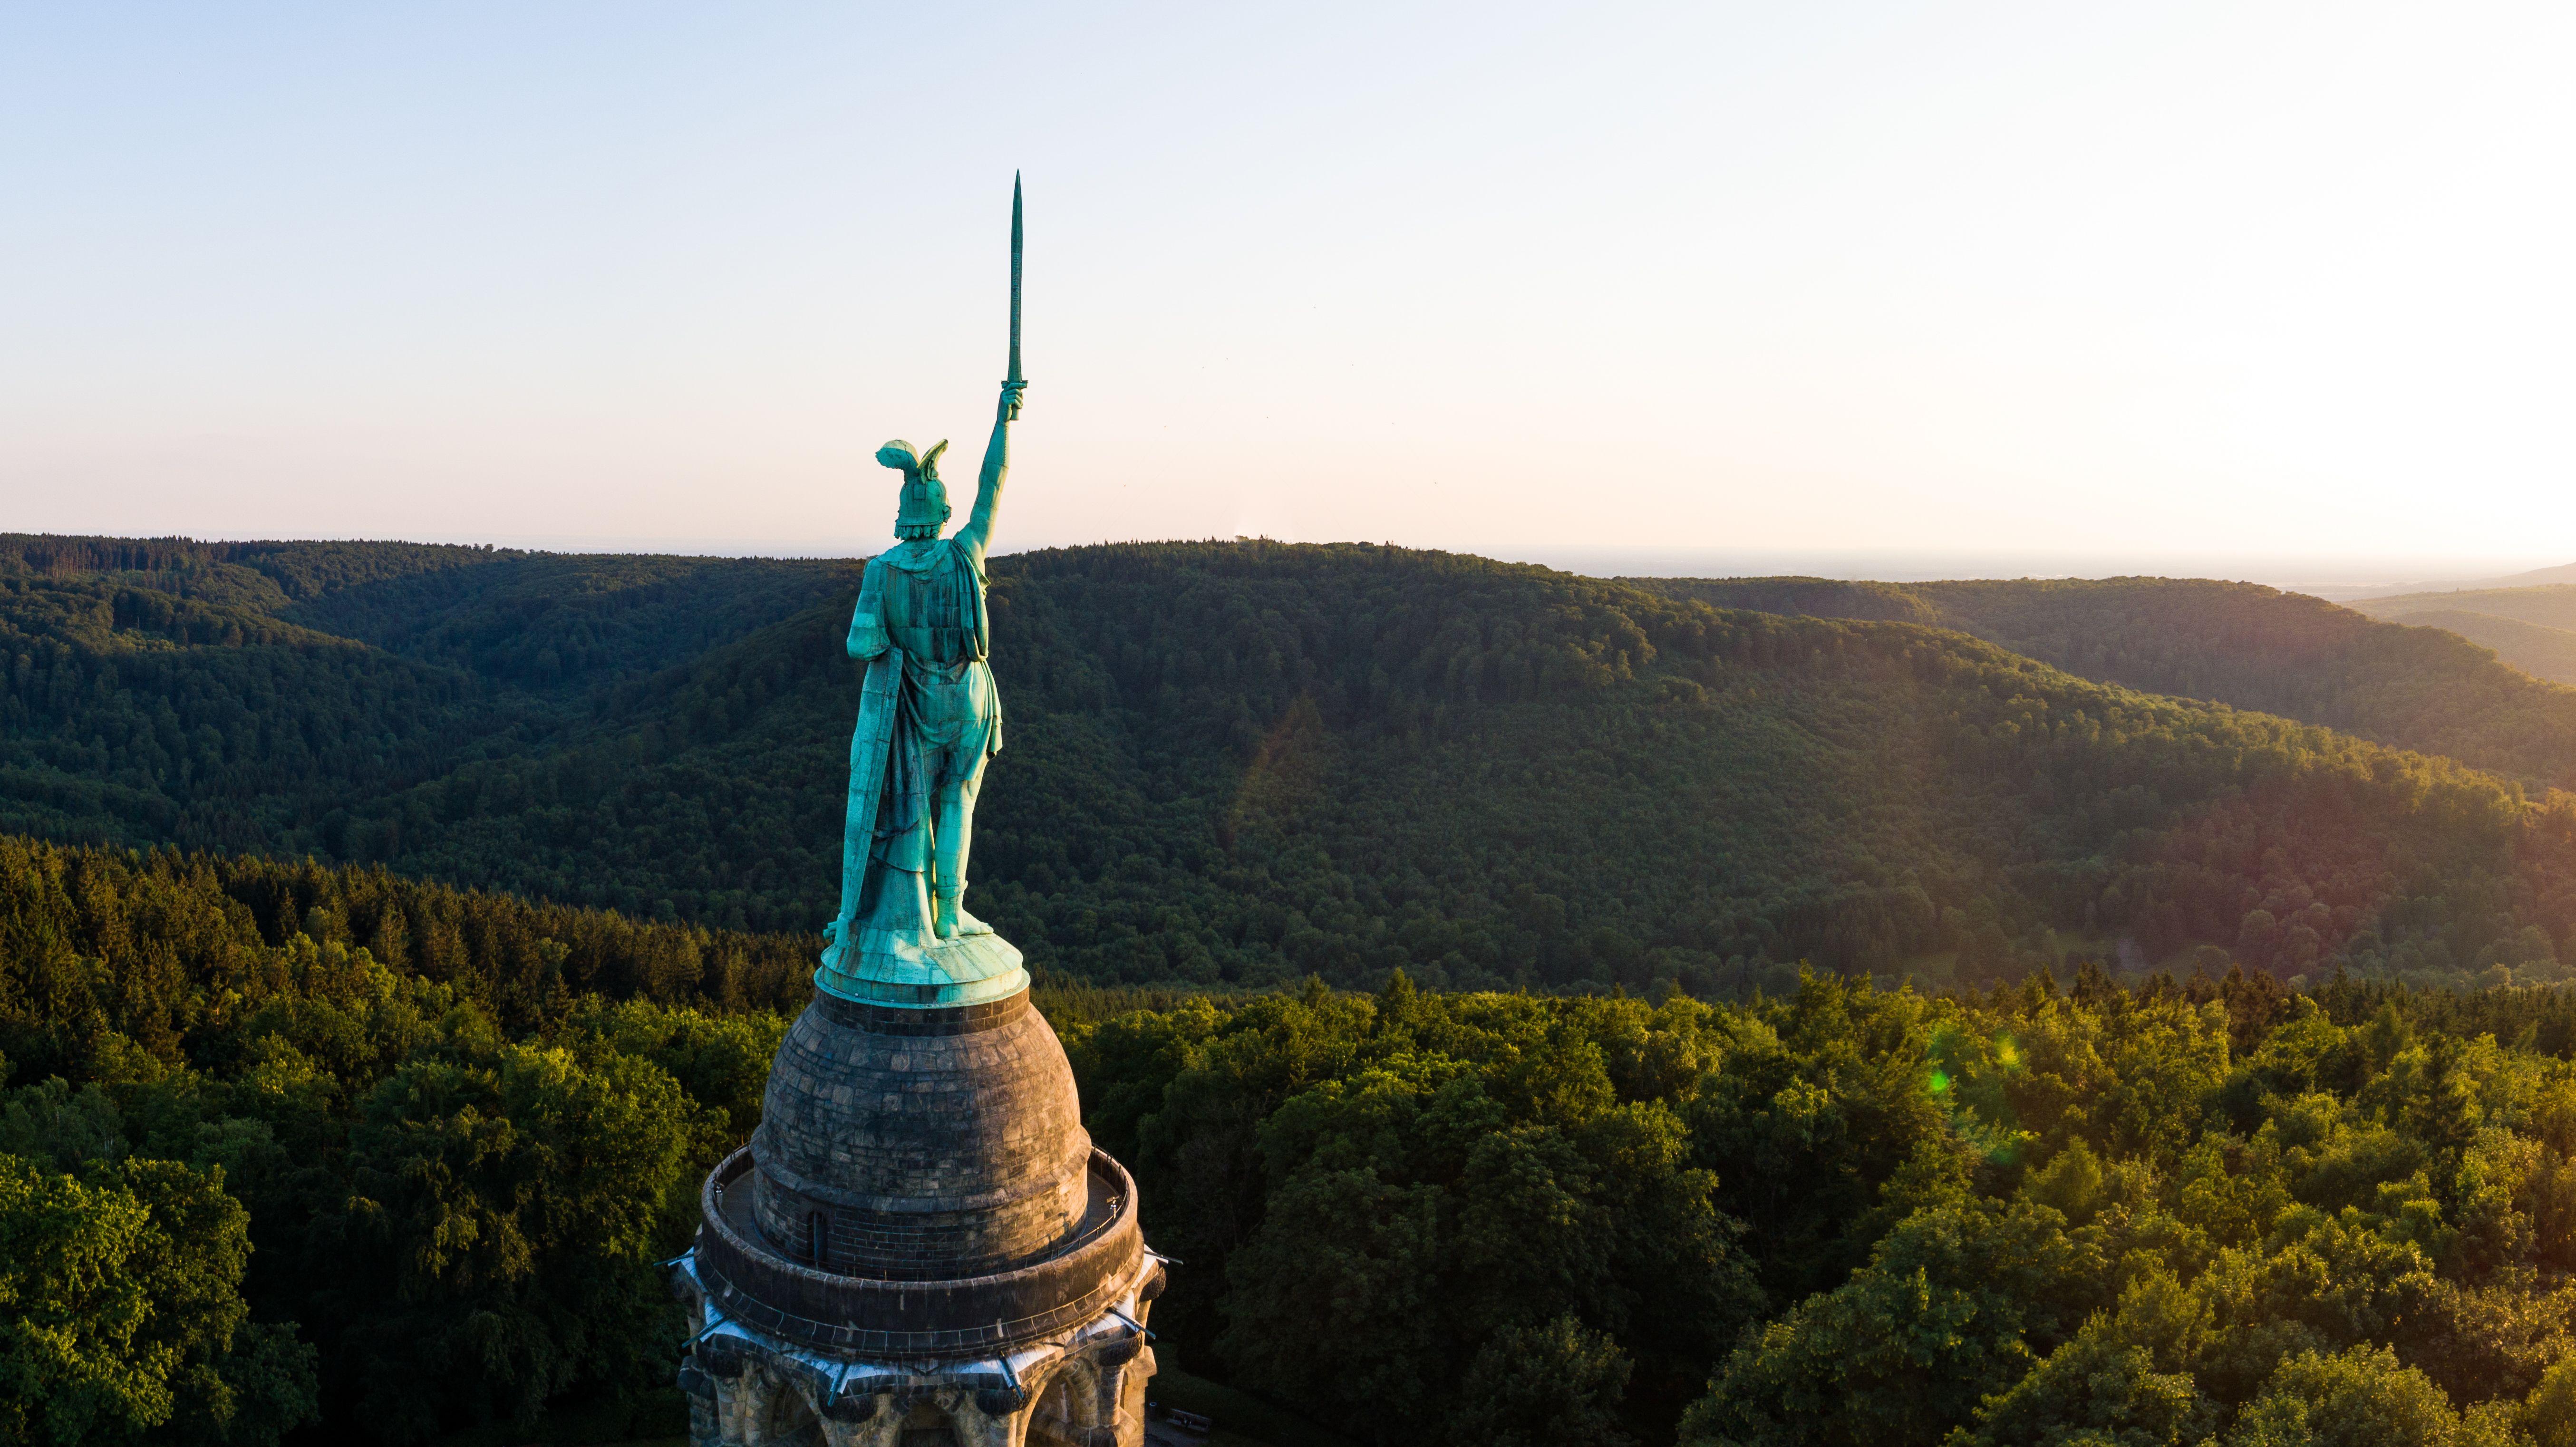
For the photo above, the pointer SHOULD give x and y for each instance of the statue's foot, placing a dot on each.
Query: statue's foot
(950, 919)
(836, 943)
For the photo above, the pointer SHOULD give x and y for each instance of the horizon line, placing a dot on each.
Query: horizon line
(2340, 571)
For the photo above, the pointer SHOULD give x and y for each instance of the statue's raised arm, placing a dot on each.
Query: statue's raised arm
(977, 535)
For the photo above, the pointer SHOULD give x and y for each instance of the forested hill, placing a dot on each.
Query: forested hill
(2537, 649)
(2534, 629)
(1247, 762)
(2242, 644)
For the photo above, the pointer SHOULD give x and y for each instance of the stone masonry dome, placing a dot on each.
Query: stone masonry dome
(920, 1144)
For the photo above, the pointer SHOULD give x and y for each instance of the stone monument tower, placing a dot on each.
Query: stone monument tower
(919, 1247)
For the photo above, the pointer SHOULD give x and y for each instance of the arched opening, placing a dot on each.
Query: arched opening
(792, 1422)
(818, 1239)
(1066, 1406)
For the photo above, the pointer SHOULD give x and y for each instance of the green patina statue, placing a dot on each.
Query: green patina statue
(928, 720)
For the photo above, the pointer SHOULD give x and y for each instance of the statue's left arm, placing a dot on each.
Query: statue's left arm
(978, 532)
(867, 622)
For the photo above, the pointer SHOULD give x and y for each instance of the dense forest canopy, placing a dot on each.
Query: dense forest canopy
(260, 1183)
(282, 1145)
(2195, 1212)
(1244, 763)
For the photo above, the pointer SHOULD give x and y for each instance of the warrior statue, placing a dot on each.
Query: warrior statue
(920, 1244)
(928, 719)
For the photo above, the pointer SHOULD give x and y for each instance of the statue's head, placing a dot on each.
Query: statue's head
(924, 508)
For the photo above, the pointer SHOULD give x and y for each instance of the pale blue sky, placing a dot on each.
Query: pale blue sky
(2126, 282)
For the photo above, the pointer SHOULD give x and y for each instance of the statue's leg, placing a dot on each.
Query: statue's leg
(963, 778)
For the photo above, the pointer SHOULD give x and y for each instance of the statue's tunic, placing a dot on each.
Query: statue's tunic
(924, 601)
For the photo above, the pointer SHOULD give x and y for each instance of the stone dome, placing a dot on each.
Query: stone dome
(911, 1144)
(921, 1188)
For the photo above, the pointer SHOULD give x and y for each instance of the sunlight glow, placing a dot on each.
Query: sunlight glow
(2285, 279)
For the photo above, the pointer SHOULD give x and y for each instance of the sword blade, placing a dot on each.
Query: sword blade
(1015, 277)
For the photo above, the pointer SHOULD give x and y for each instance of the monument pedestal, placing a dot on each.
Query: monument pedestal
(919, 1247)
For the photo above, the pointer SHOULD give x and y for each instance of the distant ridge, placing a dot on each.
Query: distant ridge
(2533, 628)
(2437, 688)
(2542, 651)
(2536, 578)
(2337, 578)
(2551, 605)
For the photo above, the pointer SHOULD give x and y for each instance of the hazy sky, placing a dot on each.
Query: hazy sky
(2114, 280)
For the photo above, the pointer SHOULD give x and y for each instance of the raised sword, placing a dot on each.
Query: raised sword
(1014, 377)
